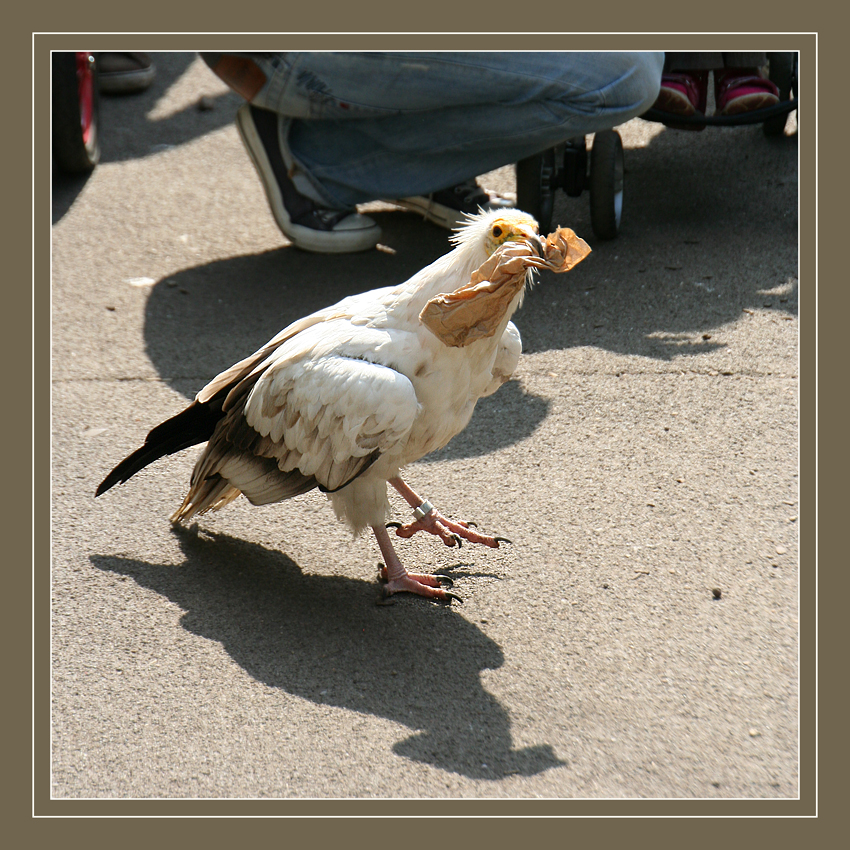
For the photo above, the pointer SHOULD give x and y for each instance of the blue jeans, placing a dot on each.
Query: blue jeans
(364, 126)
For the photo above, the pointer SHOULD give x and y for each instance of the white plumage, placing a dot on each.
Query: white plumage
(346, 397)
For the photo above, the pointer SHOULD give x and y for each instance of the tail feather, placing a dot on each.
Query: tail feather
(193, 425)
(210, 494)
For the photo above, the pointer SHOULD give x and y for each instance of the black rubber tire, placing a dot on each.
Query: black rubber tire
(74, 149)
(781, 74)
(535, 193)
(606, 183)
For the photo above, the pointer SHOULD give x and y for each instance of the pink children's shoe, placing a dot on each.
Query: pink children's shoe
(683, 93)
(738, 90)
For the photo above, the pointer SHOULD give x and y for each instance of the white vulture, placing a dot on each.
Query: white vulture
(343, 399)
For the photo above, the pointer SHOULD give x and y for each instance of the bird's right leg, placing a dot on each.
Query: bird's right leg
(399, 579)
(431, 520)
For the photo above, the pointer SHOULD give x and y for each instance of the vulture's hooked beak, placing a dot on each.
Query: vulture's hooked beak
(533, 239)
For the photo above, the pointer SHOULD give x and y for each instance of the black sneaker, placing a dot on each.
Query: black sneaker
(449, 207)
(302, 221)
(124, 73)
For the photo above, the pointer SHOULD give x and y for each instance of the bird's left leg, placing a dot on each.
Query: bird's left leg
(399, 579)
(429, 519)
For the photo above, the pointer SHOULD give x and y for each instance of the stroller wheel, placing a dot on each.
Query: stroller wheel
(606, 184)
(781, 73)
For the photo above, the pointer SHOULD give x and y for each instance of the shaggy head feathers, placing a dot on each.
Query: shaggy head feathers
(495, 227)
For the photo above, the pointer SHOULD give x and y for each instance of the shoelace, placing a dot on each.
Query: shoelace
(471, 193)
(321, 219)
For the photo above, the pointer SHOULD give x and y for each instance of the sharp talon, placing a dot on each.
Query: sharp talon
(457, 540)
(471, 524)
(449, 596)
(503, 540)
(393, 524)
(444, 580)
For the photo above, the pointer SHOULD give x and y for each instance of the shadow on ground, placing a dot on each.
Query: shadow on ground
(128, 131)
(698, 248)
(709, 233)
(323, 639)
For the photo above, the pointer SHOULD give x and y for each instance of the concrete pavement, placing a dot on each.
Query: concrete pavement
(643, 460)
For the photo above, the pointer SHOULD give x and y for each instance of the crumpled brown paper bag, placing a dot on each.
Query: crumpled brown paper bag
(475, 310)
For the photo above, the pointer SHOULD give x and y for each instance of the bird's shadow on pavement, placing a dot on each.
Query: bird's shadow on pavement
(323, 638)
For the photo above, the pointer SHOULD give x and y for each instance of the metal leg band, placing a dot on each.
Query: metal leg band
(423, 510)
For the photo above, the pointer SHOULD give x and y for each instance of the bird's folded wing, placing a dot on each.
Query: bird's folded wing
(329, 417)
(231, 376)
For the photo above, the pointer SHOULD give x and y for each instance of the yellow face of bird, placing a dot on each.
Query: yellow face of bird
(516, 227)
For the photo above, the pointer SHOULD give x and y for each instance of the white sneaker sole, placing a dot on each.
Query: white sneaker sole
(445, 216)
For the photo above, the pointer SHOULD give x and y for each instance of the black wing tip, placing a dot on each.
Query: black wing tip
(117, 476)
(193, 425)
(107, 484)
(128, 467)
